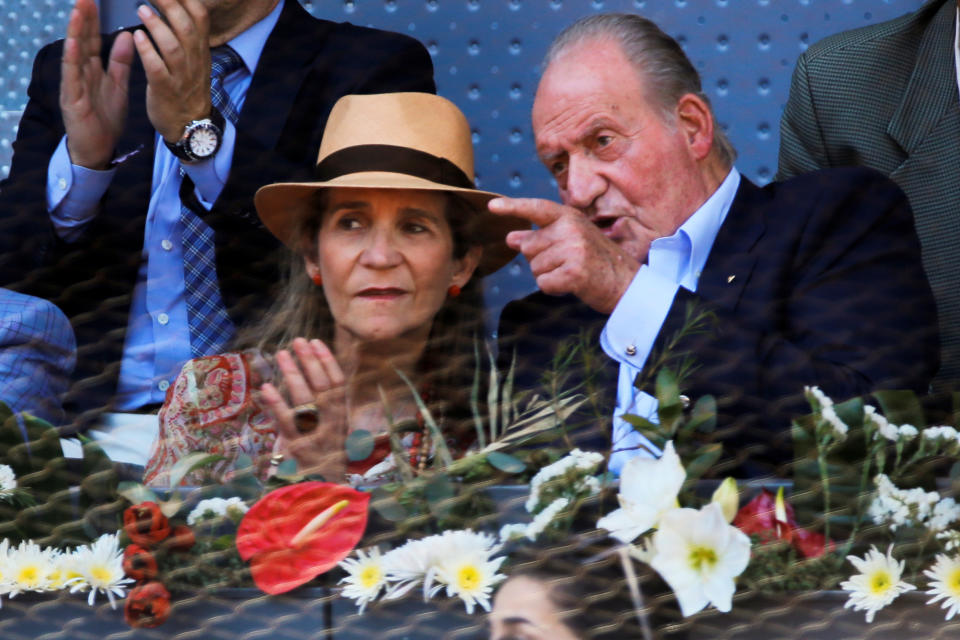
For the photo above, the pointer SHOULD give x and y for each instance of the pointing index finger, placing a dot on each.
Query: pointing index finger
(536, 210)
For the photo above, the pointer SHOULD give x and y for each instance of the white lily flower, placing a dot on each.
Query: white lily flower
(700, 555)
(648, 489)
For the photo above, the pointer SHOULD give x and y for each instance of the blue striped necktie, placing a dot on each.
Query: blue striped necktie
(210, 327)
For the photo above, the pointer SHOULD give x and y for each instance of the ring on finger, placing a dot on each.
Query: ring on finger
(306, 417)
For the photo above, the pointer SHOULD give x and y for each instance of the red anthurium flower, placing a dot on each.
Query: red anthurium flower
(771, 518)
(148, 605)
(810, 544)
(181, 538)
(139, 563)
(298, 532)
(145, 524)
(759, 516)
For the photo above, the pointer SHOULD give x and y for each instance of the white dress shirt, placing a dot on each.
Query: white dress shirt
(629, 334)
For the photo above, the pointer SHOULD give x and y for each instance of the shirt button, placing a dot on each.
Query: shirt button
(163, 385)
(163, 318)
(631, 350)
(182, 172)
(166, 244)
(62, 183)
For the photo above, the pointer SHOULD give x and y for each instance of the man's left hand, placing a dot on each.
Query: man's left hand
(177, 64)
(568, 253)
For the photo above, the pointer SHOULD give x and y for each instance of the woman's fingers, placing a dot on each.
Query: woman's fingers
(329, 362)
(312, 366)
(299, 389)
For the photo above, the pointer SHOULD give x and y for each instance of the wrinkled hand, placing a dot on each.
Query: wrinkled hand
(568, 254)
(176, 63)
(93, 101)
(311, 374)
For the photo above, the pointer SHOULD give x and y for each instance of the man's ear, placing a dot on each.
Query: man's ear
(466, 265)
(695, 121)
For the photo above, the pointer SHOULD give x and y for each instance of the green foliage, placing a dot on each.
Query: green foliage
(62, 502)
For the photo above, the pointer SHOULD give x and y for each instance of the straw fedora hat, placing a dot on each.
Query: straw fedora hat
(393, 141)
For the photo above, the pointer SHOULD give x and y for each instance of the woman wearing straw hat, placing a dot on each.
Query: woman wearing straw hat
(387, 243)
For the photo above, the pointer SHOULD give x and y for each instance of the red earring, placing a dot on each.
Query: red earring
(453, 291)
(317, 279)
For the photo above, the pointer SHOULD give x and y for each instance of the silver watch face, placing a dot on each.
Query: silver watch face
(204, 140)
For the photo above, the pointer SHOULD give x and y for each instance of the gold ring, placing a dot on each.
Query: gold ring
(306, 417)
(276, 459)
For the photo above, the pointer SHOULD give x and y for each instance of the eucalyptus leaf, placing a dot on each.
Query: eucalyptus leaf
(287, 468)
(136, 493)
(705, 457)
(359, 445)
(639, 422)
(505, 462)
(439, 493)
(703, 416)
(667, 390)
(389, 508)
(242, 461)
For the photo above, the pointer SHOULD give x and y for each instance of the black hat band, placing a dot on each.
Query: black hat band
(392, 159)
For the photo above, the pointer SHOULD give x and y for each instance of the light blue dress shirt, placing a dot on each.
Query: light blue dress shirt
(673, 262)
(158, 336)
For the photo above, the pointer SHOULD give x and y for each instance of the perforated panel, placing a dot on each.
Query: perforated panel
(487, 55)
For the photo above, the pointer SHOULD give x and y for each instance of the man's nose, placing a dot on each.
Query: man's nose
(584, 184)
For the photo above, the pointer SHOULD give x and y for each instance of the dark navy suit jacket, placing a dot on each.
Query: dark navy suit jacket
(813, 281)
(306, 66)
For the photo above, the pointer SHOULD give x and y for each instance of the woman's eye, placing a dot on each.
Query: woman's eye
(415, 227)
(348, 223)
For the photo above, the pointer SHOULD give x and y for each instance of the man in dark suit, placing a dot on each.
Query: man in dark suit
(133, 176)
(816, 281)
(886, 97)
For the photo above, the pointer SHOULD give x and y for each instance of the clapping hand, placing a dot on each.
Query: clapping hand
(312, 425)
(176, 63)
(93, 101)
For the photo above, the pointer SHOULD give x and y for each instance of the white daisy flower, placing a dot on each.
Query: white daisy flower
(700, 555)
(365, 577)
(406, 566)
(30, 568)
(463, 564)
(101, 565)
(4, 573)
(8, 481)
(945, 583)
(648, 489)
(66, 573)
(878, 583)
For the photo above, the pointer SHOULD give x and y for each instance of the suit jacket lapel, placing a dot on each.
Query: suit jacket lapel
(932, 88)
(283, 65)
(731, 261)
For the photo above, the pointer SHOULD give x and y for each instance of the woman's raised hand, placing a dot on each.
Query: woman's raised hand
(312, 425)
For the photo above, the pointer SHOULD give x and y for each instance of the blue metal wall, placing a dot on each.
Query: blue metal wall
(487, 54)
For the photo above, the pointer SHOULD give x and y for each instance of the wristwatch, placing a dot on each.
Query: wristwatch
(200, 140)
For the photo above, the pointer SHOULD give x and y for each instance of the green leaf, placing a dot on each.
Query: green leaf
(242, 462)
(640, 422)
(389, 508)
(668, 393)
(136, 493)
(850, 412)
(649, 430)
(287, 468)
(705, 457)
(505, 462)
(189, 462)
(359, 445)
(703, 417)
(439, 493)
(901, 407)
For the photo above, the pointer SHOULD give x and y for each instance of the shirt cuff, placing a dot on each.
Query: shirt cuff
(209, 176)
(73, 192)
(632, 328)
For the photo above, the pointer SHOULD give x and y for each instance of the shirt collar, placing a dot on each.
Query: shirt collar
(249, 44)
(702, 227)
